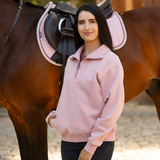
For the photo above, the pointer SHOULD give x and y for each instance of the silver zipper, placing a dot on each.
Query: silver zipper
(78, 67)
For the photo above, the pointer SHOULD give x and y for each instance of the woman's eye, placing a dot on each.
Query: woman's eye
(80, 22)
(92, 21)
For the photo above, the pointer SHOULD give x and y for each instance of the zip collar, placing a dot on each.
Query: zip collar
(96, 54)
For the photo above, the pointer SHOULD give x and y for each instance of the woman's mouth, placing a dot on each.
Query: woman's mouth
(87, 33)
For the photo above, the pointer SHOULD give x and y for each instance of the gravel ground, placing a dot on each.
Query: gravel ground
(137, 136)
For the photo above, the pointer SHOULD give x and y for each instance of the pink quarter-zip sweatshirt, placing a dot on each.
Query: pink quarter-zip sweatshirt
(91, 100)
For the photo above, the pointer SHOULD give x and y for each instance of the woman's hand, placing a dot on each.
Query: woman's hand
(50, 118)
(84, 155)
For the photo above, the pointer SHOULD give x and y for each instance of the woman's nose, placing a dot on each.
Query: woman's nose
(87, 27)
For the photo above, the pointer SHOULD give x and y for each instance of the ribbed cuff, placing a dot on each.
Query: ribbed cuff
(90, 148)
(51, 113)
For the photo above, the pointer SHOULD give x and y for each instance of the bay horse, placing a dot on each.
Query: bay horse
(29, 85)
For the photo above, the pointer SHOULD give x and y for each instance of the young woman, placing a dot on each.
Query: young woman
(92, 97)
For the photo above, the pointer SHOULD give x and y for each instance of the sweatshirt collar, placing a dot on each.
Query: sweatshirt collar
(96, 54)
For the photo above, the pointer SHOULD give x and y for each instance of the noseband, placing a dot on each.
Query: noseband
(13, 25)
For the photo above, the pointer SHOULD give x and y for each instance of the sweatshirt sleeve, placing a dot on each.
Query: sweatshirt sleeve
(53, 120)
(113, 95)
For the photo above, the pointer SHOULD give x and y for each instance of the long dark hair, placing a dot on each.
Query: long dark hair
(104, 34)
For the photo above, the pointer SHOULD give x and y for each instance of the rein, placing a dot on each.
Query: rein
(13, 25)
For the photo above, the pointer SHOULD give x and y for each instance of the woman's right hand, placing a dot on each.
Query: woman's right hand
(50, 118)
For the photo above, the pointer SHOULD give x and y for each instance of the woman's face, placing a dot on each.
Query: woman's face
(88, 27)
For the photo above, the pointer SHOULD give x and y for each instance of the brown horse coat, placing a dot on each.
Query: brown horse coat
(29, 86)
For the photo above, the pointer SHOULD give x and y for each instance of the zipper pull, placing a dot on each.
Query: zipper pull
(78, 67)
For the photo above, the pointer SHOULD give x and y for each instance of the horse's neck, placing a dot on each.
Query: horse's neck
(31, 13)
(25, 27)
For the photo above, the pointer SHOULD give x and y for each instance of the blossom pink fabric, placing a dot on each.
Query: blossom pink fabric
(91, 100)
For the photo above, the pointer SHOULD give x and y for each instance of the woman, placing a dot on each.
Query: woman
(92, 97)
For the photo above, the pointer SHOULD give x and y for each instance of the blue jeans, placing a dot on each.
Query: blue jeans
(71, 151)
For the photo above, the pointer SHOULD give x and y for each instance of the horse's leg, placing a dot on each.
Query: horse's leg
(34, 119)
(154, 92)
(22, 137)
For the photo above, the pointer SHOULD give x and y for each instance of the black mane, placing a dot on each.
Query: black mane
(31, 5)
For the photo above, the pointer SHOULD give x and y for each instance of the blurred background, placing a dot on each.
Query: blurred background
(118, 5)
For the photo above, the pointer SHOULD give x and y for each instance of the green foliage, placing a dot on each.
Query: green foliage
(34, 2)
(82, 2)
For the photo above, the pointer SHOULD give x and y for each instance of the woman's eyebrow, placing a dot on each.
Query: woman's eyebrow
(88, 20)
(80, 20)
(92, 19)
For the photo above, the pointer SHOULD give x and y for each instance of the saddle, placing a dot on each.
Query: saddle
(106, 7)
(58, 29)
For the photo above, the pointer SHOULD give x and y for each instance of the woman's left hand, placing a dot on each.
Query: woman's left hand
(84, 155)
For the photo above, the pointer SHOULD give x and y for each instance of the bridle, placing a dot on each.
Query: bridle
(13, 25)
